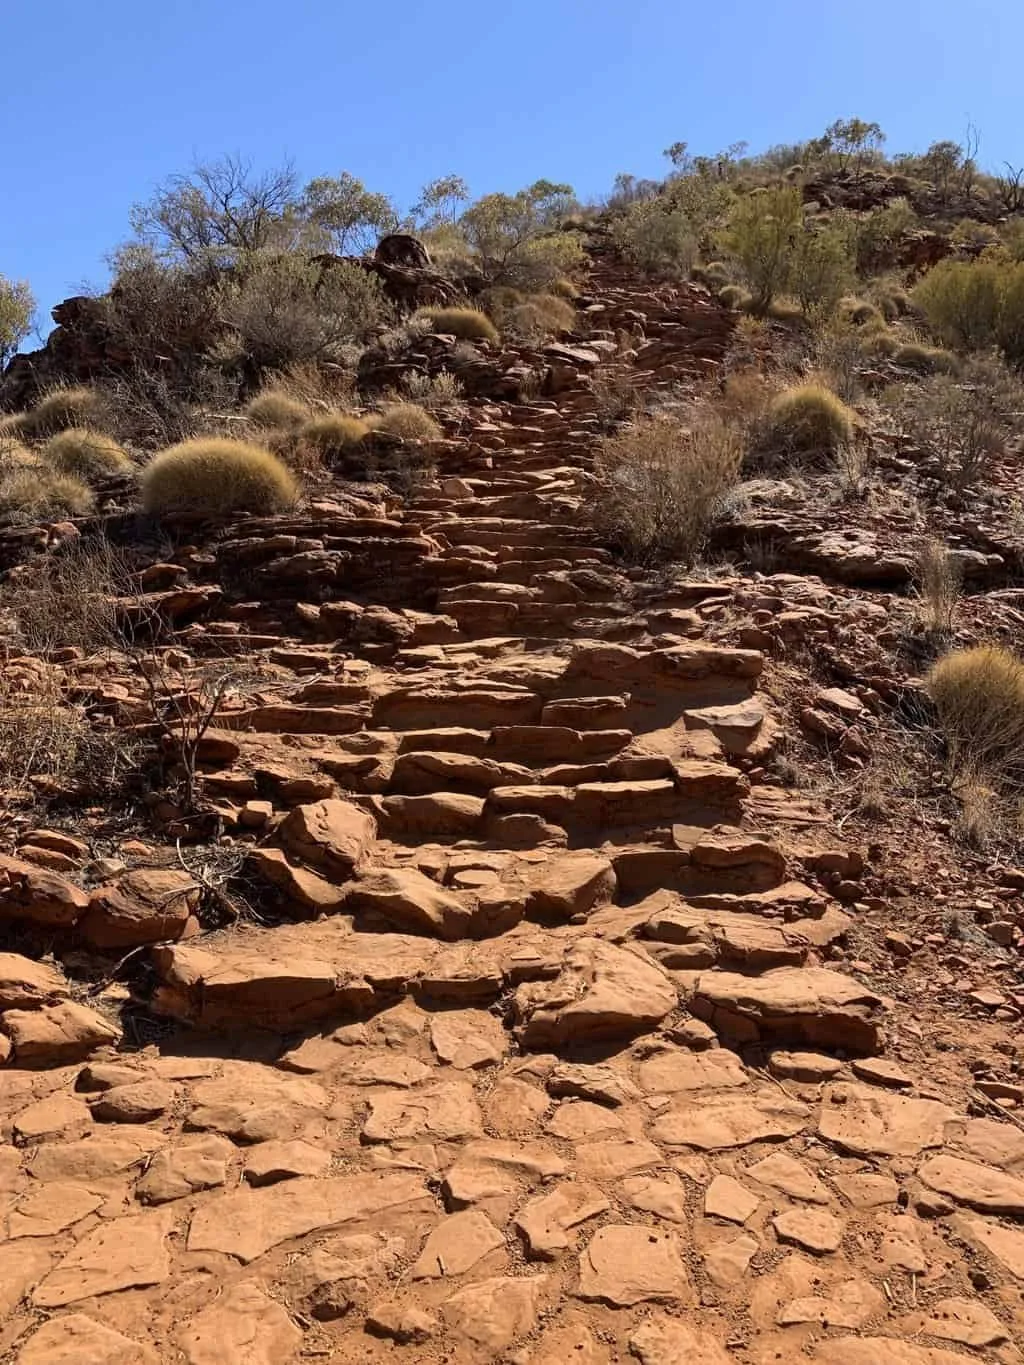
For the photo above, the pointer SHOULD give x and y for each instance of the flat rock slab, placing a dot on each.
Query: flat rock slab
(870, 1122)
(601, 992)
(128, 1253)
(626, 1264)
(244, 1325)
(1006, 1245)
(979, 1187)
(75, 1339)
(726, 1198)
(490, 1315)
(668, 1341)
(716, 1124)
(247, 1222)
(872, 1350)
(546, 1223)
(812, 1230)
(468, 1039)
(782, 1172)
(672, 1072)
(456, 1245)
(807, 1005)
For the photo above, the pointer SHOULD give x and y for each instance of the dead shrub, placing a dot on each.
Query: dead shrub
(32, 493)
(616, 396)
(937, 576)
(660, 484)
(217, 477)
(433, 392)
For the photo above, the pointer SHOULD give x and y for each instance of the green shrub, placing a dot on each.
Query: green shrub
(276, 410)
(215, 476)
(34, 493)
(334, 433)
(467, 324)
(660, 484)
(762, 234)
(17, 307)
(409, 422)
(715, 274)
(976, 305)
(820, 270)
(71, 406)
(656, 238)
(809, 418)
(979, 696)
(85, 454)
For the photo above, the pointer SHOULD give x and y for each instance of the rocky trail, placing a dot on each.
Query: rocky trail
(539, 1020)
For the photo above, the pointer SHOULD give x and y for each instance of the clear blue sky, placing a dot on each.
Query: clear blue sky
(99, 101)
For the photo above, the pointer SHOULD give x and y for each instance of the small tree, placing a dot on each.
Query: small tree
(219, 211)
(351, 218)
(821, 270)
(763, 229)
(512, 235)
(656, 238)
(439, 202)
(286, 309)
(851, 142)
(17, 309)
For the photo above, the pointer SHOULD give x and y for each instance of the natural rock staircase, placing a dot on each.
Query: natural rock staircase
(529, 1050)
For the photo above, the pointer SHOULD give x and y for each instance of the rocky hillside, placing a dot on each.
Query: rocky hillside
(521, 957)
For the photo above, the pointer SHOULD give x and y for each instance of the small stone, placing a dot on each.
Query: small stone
(546, 1222)
(198, 1163)
(404, 1323)
(670, 1341)
(966, 1321)
(782, 1172)
(136, 1103)
(490, 1315)
(879, 1071)
(727, 1198)
(867, 1190)
(269, 1162)
(456, 1245)
(811, 1229)
(808, 1068)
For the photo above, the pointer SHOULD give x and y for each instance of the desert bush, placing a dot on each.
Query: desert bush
(656, 238)
(514, 236)
(286, 309)
(937, 576)
(808, 419)
(539, 316)
(85, 454)
(838, 353)
(409, 422)
(715, 274)
(762, 231)
(564, 289)
(277, 410)
(820, 270)
(438, 391)
(744, 398)
(41, 736)
(31, 493)
(466, 324)
(616, 396)
(963, 422)
(322, 387)
(862, 312)
(660, 484)
(334, 433)
(735, 296)
(924, 359)
(216, 477)
(17, 308)
(976, 305)
(882, 344)
(878, 234)
(979, 697)
(60, 408)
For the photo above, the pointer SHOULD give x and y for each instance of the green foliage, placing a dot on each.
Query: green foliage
(513, 235)
(976, 305)
(762, 233)
(17, 309)
(287, 309)
(350, 217)
(820, 270)
(85, 454)
(439, 202)
(735, 296)
(809, 419)
(877, 235)
(409, 422)
(849, 143)
(656, 238)
(468, 324)
(214, 476)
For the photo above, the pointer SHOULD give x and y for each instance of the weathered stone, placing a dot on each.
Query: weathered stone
(780, 1171)
(26, 985)
(332, 836)
(811, 1229)
(244, 1324)
(872, 1123)
(726, 1198)
(601, 992)
(806, 1005)
(491, 1314)
(671, 1341)
(468, 1039)
(456, 1245)
(149, 905)
(413, 902)
(126, 1253)
(979, 1187)
(547, 1222)
(717, 1124)
(56, 1035)
(626, 1264)
(75, 1339)
(185, 1168)
(41, 897)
